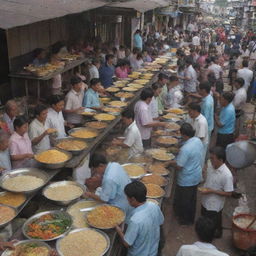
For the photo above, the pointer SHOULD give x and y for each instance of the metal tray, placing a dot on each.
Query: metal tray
(25, 171)
(7, 222)
(81, 229)
(9, 252)
(139, 176)
(36, 216)
(17, 207)
(83, 128)
(166, 144)
(59, 184)
(74, 152)
(165, 183)
(57, 165)
(124, 216)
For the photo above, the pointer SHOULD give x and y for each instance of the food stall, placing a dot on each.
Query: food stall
(63, 209)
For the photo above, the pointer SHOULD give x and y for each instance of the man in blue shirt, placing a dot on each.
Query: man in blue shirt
(107, 71)
(226, 120)
(207, 105)
(189, 167)
(137, 40)
(91, 97)
(143, 232)
(114, 180)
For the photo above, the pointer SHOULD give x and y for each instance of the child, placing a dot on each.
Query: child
(174, 95)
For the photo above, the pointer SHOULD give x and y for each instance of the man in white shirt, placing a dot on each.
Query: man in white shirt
(190, 80)
(246, 74)
(199, 124)
(38, 130)
(94, 69)
(196, 40)
(240, 95)
(216, 68)
(73, 101)
(132, 138)
(218, 185)
(5, 162)
(205, 230)
(153, 106)
(11, 111)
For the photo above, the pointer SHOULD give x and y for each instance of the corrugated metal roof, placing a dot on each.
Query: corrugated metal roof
(14, 13)
(143, 5)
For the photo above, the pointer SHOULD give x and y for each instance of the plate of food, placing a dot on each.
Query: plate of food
(117, 103)
(83, 133)
(53, 158)
(47, 226)
(173, 127)
(88, 112)
(105, 217)
(141, 81)
(29, 248)
(158, 168)
(130, 89)
(104, 117)
(75, 146)
(154, 179)
(166, 141)
(176, 111)
(63, 192)
(136, 86)
(112, 89)
(79, 217)
(84, 241)
(154, 191)
(24, 180)
(171, 116)
(112, 110)
(98, 125)
(160, 154)
(14, 200)
(7, 214)
(105, 100)
(125, 95)
(135, 171)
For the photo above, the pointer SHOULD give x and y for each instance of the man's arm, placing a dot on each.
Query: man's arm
(121, 234)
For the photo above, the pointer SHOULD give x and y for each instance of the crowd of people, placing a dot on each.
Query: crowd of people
(204, 56)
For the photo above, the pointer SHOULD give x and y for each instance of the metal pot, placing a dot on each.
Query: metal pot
(241, 154)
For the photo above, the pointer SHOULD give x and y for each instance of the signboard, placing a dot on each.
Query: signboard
(186, 3)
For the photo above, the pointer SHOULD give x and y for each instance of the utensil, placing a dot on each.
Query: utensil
(25, 171)
(37, 216)
(81, 229)
(60, 184)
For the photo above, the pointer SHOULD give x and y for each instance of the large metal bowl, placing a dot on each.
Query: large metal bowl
(138, 176)
(74, 152)
(81, 229)
(83, 128)
(36, 216)
(59, 184)
(9, 252)
(25, 171)
(56, 165)
(2, 225)
(104, 228)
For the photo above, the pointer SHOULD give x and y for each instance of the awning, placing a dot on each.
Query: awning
(142, 5)
(14, 13)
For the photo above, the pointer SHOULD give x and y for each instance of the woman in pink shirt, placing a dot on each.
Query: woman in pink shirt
(20, 144)
(122, 69)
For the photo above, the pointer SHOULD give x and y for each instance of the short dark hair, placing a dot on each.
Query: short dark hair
(205, 229)
(162, 76)
(205, 86)
(173, 78)
(194, 106)
(94, 81)
(219, 152)
(96, 160)
(38, 51)
(137, 190)
(146, 93)
(19, 121)
(187, 130)
(155, 86)
(128, 113)
(39, 109)
(109, 56)
(75, 80)
(240, 81)
(245, 63)
(228, 96)
(95, 61)
(213, 59)
(54, 99)
(189, 61)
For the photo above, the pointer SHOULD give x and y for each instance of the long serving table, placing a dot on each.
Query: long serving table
(27, 76)
(115, 245)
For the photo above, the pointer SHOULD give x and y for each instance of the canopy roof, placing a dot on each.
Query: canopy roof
(14, 13)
